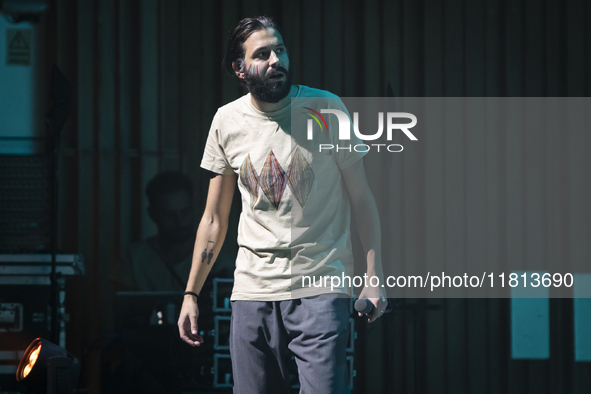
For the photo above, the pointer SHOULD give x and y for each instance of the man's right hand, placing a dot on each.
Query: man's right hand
(188, 322)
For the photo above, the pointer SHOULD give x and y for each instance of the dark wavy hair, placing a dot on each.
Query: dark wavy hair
(235, 47)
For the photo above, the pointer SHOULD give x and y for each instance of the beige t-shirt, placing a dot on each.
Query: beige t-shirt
(296, 214)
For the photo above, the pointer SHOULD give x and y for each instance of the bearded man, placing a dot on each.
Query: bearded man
(295, 219)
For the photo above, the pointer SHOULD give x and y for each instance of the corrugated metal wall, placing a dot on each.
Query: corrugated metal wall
(149, 79)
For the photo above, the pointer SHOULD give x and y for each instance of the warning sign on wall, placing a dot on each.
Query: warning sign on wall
(18, 47)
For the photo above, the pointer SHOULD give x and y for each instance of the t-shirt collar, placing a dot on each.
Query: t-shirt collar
(271, 114)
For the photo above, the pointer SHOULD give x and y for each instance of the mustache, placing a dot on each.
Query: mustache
(278, 71)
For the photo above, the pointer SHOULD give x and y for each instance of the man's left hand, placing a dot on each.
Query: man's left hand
(377, 296)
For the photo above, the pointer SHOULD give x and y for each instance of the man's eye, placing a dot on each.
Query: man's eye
(279, 51)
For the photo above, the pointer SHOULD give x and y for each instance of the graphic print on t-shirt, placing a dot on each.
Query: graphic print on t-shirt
(273, 179)
(250, 180)
(301, 177)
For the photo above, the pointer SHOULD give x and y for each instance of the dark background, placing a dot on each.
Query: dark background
(148, 79)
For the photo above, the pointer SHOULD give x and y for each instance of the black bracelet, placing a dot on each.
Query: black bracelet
(191, 293)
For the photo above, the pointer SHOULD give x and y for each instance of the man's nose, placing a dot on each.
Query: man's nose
(273, 59)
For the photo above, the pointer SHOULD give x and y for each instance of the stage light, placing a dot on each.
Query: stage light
(31, 360)
(47, 368)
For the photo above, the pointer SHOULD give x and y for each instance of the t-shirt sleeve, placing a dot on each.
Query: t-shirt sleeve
(345, 152)
(214, 159)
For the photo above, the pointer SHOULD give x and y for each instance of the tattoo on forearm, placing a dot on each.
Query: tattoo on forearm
(206, 255)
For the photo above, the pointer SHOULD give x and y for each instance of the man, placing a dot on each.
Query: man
(158, 263)
(295, 221)
(162, 262)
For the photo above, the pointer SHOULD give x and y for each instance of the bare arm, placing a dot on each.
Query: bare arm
(208, 243)
(366, 216)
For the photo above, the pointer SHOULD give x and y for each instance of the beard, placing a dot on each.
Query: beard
(267, 90)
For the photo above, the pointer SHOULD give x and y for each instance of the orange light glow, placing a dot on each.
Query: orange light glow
(31, 354)
(32, 361)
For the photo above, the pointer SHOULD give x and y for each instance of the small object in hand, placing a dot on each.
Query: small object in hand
(363, 306)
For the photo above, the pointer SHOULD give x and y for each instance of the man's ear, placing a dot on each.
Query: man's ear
(238, 70)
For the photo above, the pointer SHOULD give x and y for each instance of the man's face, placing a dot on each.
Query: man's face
(266, 72)
(173, 214)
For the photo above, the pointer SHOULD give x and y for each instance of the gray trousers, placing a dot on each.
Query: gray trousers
(264, 336)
